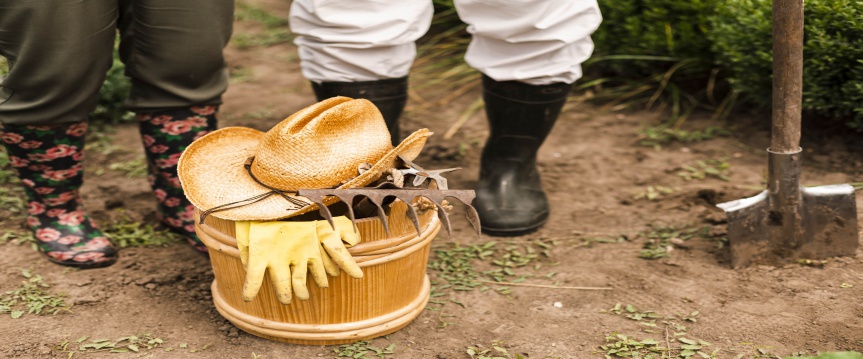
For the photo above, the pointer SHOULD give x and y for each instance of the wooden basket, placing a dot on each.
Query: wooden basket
(393, 291)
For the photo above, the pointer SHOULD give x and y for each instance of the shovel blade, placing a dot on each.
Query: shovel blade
(827, 227)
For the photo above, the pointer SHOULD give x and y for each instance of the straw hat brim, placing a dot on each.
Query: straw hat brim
(212, 174)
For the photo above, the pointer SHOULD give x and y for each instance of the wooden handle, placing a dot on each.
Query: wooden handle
(787, 75)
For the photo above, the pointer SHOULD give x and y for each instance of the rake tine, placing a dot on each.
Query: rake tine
(326, 213)
(444, 218)
(412, 214)
(377, 199)
(473, 218)
(351, 212)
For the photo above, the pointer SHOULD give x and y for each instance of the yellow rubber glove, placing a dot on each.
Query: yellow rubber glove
(335, 244)
(285, 250)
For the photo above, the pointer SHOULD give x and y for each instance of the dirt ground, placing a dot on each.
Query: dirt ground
(592, 168)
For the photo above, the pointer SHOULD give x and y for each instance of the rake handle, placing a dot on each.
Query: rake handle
(787, 75)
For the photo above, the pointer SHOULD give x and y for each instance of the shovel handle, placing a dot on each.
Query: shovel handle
(787, 75)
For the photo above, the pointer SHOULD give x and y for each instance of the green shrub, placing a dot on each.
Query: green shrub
(112, 94)
(668, 30)
(833, 56)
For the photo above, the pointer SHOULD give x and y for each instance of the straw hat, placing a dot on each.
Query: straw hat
(321, 146)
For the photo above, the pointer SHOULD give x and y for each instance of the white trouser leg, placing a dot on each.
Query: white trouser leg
(358, 40)
(533, 41)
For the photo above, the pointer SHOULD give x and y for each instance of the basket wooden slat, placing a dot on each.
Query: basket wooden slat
(393, 291)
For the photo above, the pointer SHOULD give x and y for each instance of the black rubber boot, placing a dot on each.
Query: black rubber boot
(509, 196)
(388, 95)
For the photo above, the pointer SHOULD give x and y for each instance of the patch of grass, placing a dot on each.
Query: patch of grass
(653, 193)
(662, 239)
(497, 350)
(99, 138)
(667, 133)
(275, 28)
(460, 267)
(12, 200)
(126, 232)
(7, 174)
(240, 74)
(673, 343)
(32, 297)
(130, 344)
(363, 349)
(718, 169)
(19, 237)
(136, 168)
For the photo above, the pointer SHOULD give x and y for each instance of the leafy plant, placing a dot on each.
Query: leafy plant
(130, 344)
(660, 239)
(112, 95)
(667, 133)
(136, 168)
(718, 169)
(126, 232)
(32, 297)
(741, 33)
(497, 350)
(363, 349)
(275, 28)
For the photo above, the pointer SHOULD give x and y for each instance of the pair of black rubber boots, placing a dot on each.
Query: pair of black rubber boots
(510, 200)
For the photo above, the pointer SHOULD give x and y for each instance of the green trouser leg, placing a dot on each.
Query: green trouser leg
(59, 52)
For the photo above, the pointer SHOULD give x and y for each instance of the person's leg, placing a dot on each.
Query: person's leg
(360, 49)
(56, 69)
(530, 52)
(173, 53)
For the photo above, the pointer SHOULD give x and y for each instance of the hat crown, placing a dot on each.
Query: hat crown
(321, 146)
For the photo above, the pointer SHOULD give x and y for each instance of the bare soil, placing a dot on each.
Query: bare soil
(592, 169)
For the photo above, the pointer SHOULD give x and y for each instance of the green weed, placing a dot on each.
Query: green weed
(126, 232)
(653, 193)
(136, 168)
(662, 239)
(275, 28)
(666, 133)
(130, 344)
(363, 349)
(718, 169)
(497, 350)
(32, 297)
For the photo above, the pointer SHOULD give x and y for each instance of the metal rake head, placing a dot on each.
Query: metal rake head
(377, 196)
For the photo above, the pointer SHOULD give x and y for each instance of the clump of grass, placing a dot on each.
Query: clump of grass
(672, 344)
(711, 168)
(130, 344)
(363, 349)
(653, 193)
(136, 168)
(7, 175)
(275, 28)
(497, 350)
(662, 239)
(667, 133)
(126, 232)
(32, 297)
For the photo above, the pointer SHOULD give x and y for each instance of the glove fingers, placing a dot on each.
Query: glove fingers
(343, 258)
(298, 277)
(346, 231)
(280, 275)
(241, 230)
(319, 273)
(330, 266)
(254, 279)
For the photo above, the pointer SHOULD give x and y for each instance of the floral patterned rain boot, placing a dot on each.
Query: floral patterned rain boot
(165, 135)
(48, 160)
